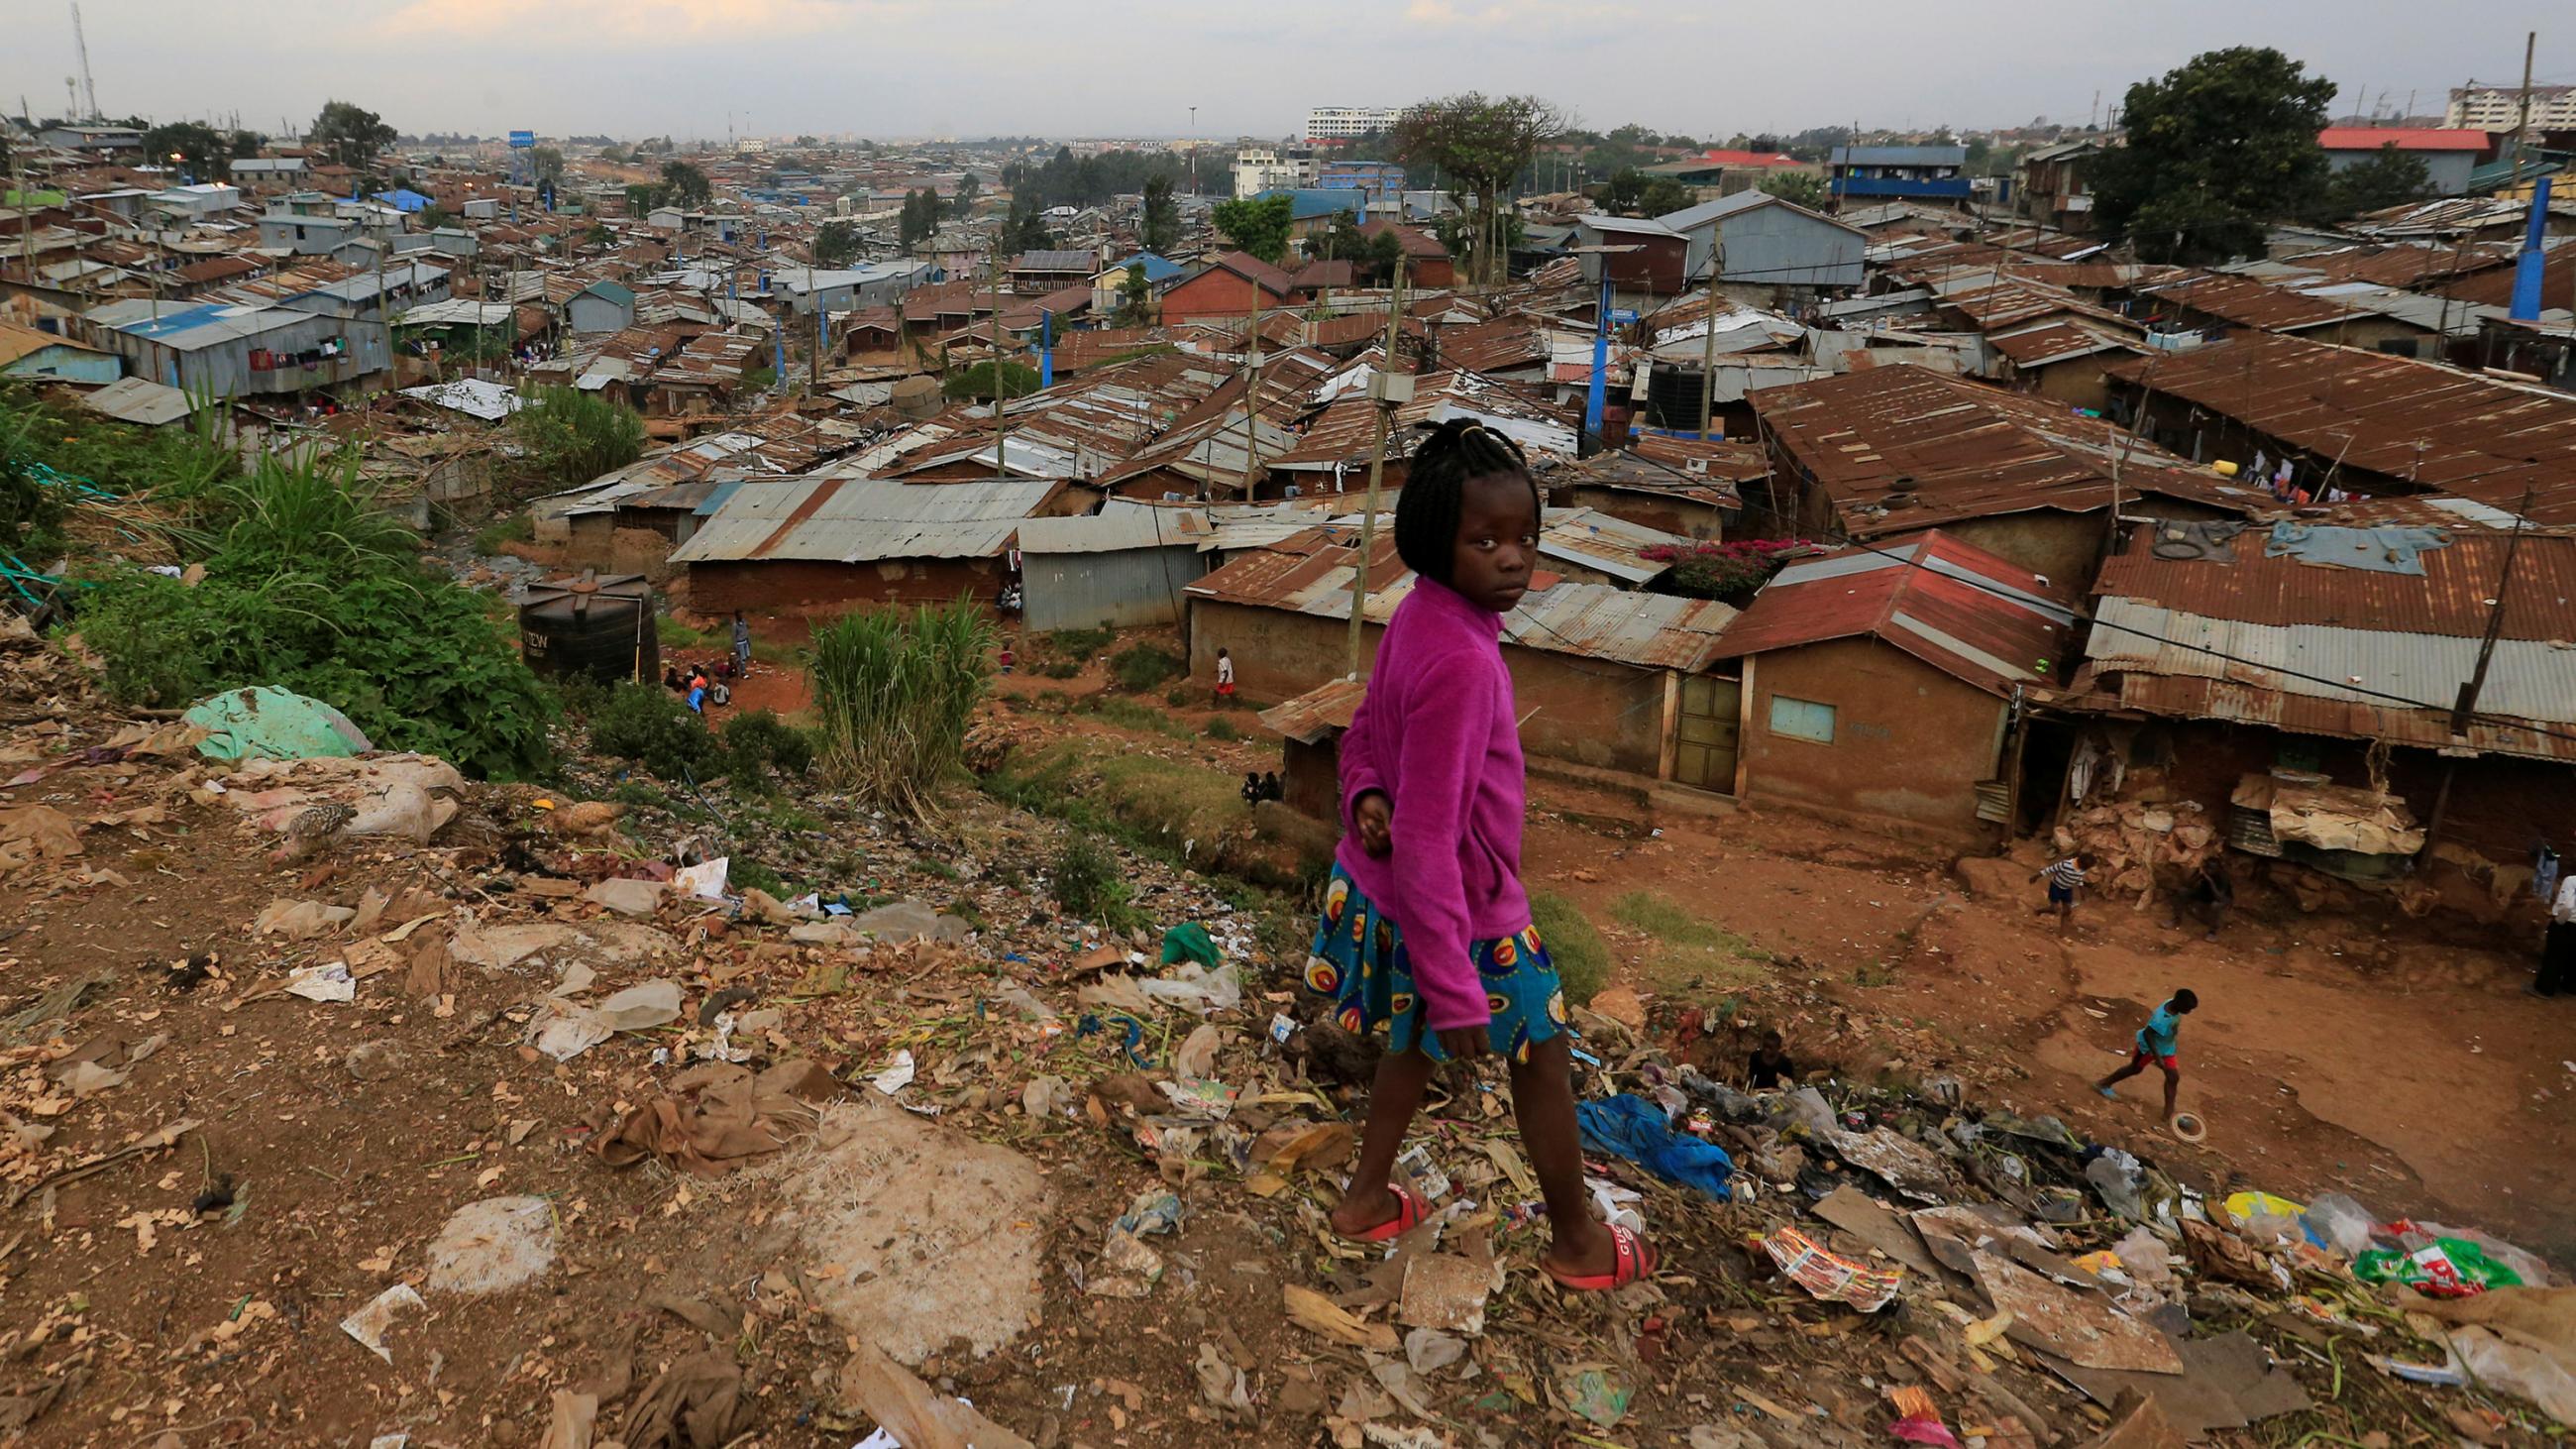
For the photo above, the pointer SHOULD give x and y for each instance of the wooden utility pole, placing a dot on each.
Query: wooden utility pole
(2522, 127)
(1386, 405)
(1708, 348)
(1001, 384)
(1252, 392)
(2464, 709)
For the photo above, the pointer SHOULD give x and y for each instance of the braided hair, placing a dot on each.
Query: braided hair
(1435, 486)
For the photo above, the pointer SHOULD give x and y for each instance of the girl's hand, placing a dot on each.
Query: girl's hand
(1375, 818)
(1463, 1042)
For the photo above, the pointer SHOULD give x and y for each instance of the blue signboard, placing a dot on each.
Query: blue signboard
(1623, 315)
(523, 139)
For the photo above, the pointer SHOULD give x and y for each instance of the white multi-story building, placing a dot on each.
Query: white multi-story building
(2499, 108)
(1266, 168)
(1343, 123)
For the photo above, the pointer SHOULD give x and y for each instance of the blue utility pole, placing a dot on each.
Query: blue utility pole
(1597, 399)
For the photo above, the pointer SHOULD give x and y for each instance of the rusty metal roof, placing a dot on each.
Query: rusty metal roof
(2451, 597)
(1957, 608)
(1318, 712)
(1345, 431)
(2057, 340)
(2409, 422)
(1311, 574)
(862, 520)
(1898, 449)
(2250, 303)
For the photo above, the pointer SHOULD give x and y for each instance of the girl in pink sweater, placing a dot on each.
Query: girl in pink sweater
(1432, 798)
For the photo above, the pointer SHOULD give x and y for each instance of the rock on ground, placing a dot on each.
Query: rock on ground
(487, 1246)
(932, 1236)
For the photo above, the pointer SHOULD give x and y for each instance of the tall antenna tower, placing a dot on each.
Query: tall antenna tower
(89, 84)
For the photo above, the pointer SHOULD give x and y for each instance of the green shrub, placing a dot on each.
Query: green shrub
(1179, 696)
(1222, 728)
(1141, 667)
(1086, 881)
(758, 737)
(1687, 951)
(570, 437)
(894, 692)
(649, 725)
(1581, 957)
(579, 696)
(751, 875)
(1079, 644)
(1134, 716)
(977, 381)
(1060, 668)
(517, 528)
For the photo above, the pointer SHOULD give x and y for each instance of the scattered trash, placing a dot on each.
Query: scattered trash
(299, 920)
(1153, 1211)
(487, 1246)
(369, 1323)
(265, 722)
(640, 1007)
(1189, 941)
(705, 880)
(1588, 1391)
(897, 1075)
(1422, 1174)
(717, 1116)
(1631, 1127)
(1834, 1279)
(1446, 1291)
(911, 1412)
(563, 1031)
(2443, 1268)
(1222, 1385)
(628, 896)
(328, 982)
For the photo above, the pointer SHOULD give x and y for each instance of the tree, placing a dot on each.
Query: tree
(597, 234)
(837, 243)
(1634, 193)
(2216, 147)
(1480, 143)
(350, 133)
(1135, 296)
(205, 152)
(969, 188)
(546, 163)
(683, 184)
(246, 144)
(2389, 178)
(1259, 226)
(1027, 229)
(1798, 187)
(1159, 224)
(613, 154)
(920, 216)
(431, 218)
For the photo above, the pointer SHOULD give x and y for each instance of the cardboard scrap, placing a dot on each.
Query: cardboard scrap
(1878, 1226)
(1829, 1276)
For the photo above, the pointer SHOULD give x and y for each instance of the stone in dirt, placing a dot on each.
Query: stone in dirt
(1621, 1004)
(374, 1061)
(929, 1237)
(1447, 1292)
(487, 1246)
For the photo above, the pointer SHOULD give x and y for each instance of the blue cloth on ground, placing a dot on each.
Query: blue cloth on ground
(1634, 1128)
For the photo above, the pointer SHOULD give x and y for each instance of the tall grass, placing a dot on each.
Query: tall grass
(893, 692)
(571, 436)
(318, 517)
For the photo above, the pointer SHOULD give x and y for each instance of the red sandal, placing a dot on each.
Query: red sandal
(1631, 1260)
(1410, 1210)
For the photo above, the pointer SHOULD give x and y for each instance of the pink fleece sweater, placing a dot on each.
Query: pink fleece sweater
(1438, 734)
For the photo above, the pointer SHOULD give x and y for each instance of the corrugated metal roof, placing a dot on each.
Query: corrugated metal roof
(861, 520)
(2190, 697)
(1123, 524)
(1311, 574)
(1959, 609)
(1964, 450)
(1604, 544)
(2056, 341)
(2451, 597)
(1318, 712)
(139, 400)
(2437, 427)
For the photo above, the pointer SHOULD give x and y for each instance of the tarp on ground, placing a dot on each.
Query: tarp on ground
(265, 722)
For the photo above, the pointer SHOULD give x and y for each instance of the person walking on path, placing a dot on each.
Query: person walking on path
(741, 645)
(2157, 1041)
(1426, 926)
(2065, 887)
(2557, 976)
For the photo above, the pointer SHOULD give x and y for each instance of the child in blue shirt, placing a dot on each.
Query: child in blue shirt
(2157, 1041)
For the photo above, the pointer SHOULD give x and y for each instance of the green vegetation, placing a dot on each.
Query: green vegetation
(1800, 189)
(977, 381)
(1223, 729)
(837, 244)
(309, 586)
(1080, 644)
(1686, 951)
(894, 692)
(1479, 144)
(570, 436)
(1141, 667)
(509, 529)
(1086, 880)
(758, 739)
(1188, 814)
(1259, 226)
(683, 184)
(1633, 193)
(1574, 945)
(650, 725)
(2217, 147)
(744, 874)
(1140, 717)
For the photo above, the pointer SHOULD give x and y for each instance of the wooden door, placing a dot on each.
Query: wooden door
(1704, 757)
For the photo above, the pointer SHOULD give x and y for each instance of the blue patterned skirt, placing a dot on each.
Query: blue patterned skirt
(1360, 962)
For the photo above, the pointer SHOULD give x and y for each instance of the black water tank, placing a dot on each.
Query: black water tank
(600, 627)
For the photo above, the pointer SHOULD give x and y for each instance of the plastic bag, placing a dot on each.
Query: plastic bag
(1189, 941)
(2525, 1373)
(2117, 1177)
(2447, 1268)
(1197, 989)
(2268, 1219)
(2342, 1224)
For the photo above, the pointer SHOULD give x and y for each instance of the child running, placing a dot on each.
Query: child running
(1426, 927)
(2158, 1041)
(2065, 887)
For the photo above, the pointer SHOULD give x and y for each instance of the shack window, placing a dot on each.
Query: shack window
(1802, 719)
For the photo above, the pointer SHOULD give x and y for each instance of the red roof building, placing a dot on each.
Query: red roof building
(1227, 290)
(1881, 682)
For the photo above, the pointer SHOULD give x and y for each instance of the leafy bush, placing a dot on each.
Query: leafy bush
(1060, 668)
(1179, 695)
(1574, 945)
(1141, 667)
(649, 725)
(1721, 570)
(751, 875)
(894, 692)
(977, 381)
(1087, 882)
(31, 511)
(570, 436)
(412, 661)
(1222, 728)
(1079, 644)
(1140, 717)
(316, 517)
(758, 737)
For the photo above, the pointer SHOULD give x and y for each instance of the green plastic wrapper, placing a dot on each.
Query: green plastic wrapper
(2447, 1268)
(1189, 941)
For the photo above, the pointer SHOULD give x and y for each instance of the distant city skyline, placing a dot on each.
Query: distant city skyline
(1118, 68)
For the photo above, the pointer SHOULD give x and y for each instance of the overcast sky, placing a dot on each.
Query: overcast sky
(1128, 68)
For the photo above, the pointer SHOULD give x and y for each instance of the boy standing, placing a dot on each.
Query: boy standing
(2065, 884)
(2156, 1042)
(741, 645)
(1224, 678)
